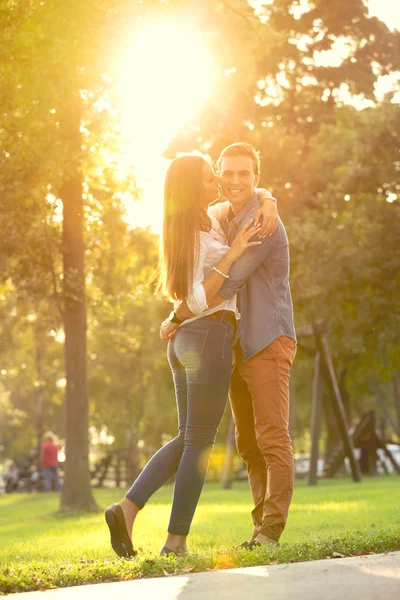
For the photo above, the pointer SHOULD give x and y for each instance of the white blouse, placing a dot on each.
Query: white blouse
(212, 248)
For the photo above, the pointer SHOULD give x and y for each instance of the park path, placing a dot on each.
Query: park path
(372, 577)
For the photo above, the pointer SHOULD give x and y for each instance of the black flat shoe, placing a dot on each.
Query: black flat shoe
(250, 544)
(120, 540)
(166, 552)
(253, 544)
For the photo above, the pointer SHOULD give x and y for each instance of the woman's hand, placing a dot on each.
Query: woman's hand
(242, 240)
(167, 329)
(267, 215)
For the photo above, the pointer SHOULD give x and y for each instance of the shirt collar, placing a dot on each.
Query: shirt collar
(248, 210)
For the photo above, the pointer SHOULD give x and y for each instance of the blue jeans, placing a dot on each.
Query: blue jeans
(48, 474)
(200, 357)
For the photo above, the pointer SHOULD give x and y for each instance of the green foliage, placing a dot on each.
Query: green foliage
(345, 247)
(129, 378)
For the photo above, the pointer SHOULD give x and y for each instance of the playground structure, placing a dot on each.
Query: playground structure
(362, 436)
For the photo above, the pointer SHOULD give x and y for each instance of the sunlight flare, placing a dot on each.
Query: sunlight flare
(164, 78)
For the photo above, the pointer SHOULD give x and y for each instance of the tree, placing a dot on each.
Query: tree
(54, 113)
(46, 159)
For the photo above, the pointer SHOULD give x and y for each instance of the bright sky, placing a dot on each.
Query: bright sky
(165, 77)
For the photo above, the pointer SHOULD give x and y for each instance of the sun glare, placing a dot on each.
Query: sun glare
(164, 78)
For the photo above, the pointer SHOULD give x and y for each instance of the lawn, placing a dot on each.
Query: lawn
(41, 549)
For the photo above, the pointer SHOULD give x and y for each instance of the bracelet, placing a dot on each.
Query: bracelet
(268, 198)
(220, 273)
(174, 319)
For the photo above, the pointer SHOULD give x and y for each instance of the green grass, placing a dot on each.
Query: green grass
(42, 549)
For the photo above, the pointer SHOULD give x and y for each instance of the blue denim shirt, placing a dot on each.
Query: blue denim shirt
(261, 279)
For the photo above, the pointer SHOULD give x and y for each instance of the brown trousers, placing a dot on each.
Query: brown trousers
(259, 396)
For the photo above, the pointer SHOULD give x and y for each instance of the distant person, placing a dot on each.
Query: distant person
(195, 262)
(50, 464)
(12, 478)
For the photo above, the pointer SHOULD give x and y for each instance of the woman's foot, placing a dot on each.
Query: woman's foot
(175, 544)
(167, 551)
(130, 510)
(117, 523)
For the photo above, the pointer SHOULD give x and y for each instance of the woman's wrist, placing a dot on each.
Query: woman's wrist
(224, 275)
(228, 259)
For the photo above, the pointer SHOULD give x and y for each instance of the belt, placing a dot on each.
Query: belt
(224, 315)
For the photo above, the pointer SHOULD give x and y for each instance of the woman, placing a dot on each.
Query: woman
(199, 354)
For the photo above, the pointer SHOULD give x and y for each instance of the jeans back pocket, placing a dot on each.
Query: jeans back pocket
(189, 345)
(191, 340)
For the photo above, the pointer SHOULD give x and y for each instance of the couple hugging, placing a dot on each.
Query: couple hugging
(226, 267)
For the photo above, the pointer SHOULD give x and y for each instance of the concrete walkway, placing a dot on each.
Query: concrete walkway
(359, 578)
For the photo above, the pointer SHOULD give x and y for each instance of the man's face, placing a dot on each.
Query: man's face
(238, 180)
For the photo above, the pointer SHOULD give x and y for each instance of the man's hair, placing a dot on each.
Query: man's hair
(241, 149)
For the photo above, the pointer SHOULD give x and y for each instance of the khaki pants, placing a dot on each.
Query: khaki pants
(259, 396)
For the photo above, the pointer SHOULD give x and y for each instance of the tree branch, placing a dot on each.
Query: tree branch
(51, 265)
(245, 17)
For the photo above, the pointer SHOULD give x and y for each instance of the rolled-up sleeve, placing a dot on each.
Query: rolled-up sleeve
(246, 264)
(196, 299)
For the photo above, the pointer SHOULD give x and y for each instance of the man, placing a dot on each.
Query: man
(259, 392)
(50, 464)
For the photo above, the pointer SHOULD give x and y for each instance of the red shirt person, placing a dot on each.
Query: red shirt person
(49, 456)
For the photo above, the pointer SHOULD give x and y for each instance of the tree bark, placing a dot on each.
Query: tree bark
(345, 395)
(315, 428)
(332, 430)
(230, 450)
(132, 455)
(292, 406)
(76, 493)
(396, 397)
(39, 393)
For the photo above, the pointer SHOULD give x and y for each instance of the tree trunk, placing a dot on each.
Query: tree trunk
(345, 395)
(396, 397)
(292, 406)
(76, 493)
(316, 412)
(132, 456)
(332, 431)
(134, 413)
(230, 451)
(39, 393)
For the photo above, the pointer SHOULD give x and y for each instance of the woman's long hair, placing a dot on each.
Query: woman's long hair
(184, 218)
